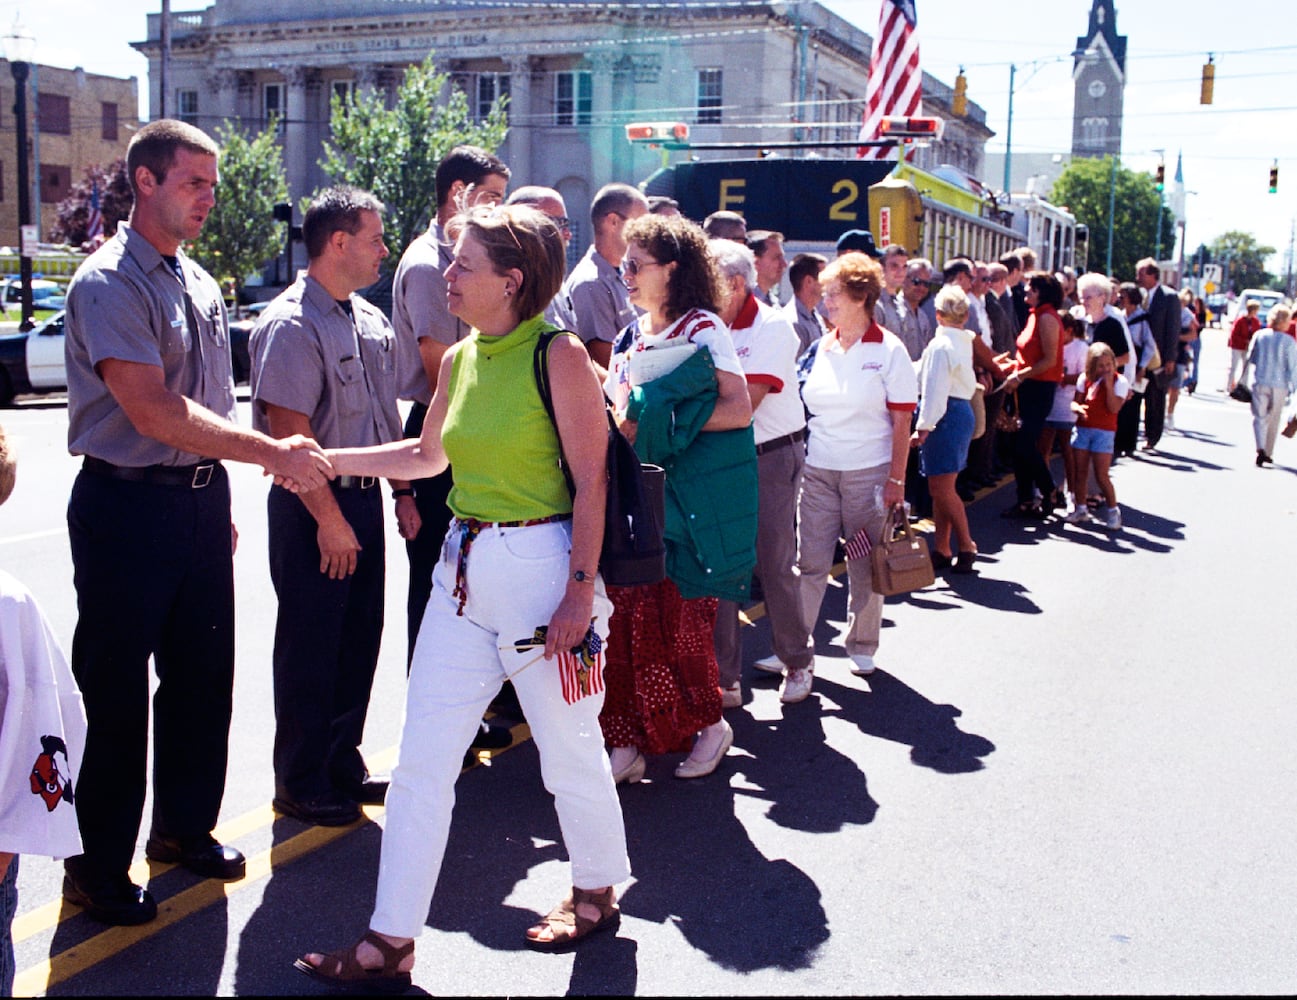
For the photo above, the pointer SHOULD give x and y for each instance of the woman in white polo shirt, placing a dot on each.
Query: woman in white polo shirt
(860, 394)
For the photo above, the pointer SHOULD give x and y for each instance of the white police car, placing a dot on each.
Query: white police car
(33, 361)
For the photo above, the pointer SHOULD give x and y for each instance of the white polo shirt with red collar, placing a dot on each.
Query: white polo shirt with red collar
(767, 348)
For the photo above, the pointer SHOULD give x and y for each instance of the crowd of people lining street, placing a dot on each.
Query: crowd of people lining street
(791, 431)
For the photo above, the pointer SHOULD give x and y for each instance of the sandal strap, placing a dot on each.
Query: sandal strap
(392, 954)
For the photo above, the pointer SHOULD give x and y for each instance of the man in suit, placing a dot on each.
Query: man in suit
(1164, 321)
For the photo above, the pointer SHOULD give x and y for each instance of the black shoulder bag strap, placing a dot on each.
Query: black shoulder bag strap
(540, 367)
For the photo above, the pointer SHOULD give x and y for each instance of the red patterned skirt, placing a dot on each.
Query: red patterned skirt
(660, 669)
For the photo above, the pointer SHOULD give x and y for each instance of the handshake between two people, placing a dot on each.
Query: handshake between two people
(299, 464)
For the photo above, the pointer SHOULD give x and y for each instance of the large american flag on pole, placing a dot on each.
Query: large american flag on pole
(95, 223)
(895, 80)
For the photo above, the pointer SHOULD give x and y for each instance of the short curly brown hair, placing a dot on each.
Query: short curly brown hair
(696, 282)
(860, 276)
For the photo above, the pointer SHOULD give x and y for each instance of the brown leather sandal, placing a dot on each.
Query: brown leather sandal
(342, 970)
(570, 922)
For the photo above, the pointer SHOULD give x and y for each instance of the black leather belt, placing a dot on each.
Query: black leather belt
(195, 477)
(355, 482)
(781, 442)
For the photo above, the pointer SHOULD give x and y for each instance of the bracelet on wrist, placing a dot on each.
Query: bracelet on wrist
(895, 482)
(404, 491)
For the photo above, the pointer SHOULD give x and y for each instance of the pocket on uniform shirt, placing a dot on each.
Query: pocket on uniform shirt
(175, 339)
(349, 374)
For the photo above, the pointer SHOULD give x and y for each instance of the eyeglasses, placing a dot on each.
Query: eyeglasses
(632, 266)
(916, 282)
(562, 221)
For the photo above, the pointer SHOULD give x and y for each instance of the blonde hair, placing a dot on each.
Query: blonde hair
(8, 467)
(951, 303)
(1279, 317)
(1092, 357)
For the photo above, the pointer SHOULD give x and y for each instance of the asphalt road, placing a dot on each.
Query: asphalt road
(1072, 774)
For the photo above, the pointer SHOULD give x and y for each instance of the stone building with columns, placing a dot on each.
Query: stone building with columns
(576, 72)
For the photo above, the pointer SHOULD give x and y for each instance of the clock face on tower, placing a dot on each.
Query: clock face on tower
(1098, 88)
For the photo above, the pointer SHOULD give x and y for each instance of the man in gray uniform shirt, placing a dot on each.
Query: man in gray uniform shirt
(151, 407)
(324, 364)
(595, 288)
(467, 177)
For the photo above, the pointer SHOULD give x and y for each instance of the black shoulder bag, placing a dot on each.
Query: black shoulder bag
(633, 552)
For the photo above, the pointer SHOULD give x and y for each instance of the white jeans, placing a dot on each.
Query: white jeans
(515, 578)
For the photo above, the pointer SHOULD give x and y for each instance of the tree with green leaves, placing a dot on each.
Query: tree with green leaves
(1243, 260)
(394, 152)
(241, 232)
(1087, 188)
(72, 216)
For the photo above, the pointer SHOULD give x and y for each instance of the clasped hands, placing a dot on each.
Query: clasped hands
(301, 465)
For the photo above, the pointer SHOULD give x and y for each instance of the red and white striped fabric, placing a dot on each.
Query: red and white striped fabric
(858, 545)
(580, 669)
(895, 80)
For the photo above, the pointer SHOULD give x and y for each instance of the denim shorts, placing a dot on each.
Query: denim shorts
(1093, 439)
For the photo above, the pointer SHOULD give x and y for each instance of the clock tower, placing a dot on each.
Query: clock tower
(1099, 77)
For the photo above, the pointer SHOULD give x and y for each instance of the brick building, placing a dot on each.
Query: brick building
(75, 119)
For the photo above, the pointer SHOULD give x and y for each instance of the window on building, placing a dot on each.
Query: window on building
(573, 97)
(55, 115)
(272, 104)
(822, 111)
(489, 87)
(56, 183)
(108, 115)
(709, 96)
(344, 91)
(187, 106)
(1094, 131)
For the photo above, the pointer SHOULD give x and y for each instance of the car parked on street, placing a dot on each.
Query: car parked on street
(45, 294)
(33, 361)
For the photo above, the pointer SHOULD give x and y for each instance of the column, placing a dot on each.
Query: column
(603, 153)
(521, 119)
(296, 154)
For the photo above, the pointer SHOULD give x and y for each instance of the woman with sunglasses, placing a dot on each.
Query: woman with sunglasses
(515, 595)
(663, 688)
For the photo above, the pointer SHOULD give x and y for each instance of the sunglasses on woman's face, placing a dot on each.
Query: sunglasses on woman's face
(632, 266)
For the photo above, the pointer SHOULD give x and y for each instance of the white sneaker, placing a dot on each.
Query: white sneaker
(770, 664)
(1079, 512)
(732, 696)
(1169, 422)
(862, 664)
(796, 686)
(1112, 518)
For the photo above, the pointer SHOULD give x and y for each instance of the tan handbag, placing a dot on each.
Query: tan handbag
(1007, 420)
(900, 561)
(978, 402)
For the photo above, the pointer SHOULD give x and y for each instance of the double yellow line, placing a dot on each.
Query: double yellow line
(39, 978)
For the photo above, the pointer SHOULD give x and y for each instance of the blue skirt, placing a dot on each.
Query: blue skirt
(946, 448)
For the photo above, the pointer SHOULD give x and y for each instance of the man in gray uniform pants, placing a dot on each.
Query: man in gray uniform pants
(151, 407)
(324, 364)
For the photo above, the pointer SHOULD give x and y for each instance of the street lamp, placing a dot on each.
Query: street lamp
(20, 51)
(1161, 201)
(1036, 65)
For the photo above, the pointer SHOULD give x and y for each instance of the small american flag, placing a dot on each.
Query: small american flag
(858, 545)
(895, 80)
(95, 224)
(580, 669)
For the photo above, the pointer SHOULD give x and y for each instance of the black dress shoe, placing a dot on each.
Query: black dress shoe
(119, 902)
(202, 856)
(332, 809)
(371, 791)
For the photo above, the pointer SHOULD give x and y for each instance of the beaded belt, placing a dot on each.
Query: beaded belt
(469, 529)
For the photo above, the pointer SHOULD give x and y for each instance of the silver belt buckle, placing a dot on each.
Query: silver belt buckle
(367, 482)
(202, 476)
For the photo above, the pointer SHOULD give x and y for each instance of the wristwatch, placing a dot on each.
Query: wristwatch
(581, 576)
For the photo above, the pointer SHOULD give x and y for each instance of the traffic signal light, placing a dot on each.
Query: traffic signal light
(1161, 176)
(1208, 81)
(960, 103)
(1274, 177)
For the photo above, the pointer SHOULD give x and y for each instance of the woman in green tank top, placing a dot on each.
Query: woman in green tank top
(515, 596)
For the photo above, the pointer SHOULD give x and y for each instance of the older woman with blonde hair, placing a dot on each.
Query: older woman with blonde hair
(515, 595)
(945, 426)
(860, 394)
